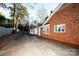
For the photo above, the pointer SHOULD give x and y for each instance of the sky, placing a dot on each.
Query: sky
(5, 12)
(32, 8)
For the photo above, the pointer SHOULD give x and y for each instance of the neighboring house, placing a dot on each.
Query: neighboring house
(62, 25)
(33, 29)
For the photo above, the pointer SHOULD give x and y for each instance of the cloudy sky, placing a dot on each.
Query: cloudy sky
(32, 8)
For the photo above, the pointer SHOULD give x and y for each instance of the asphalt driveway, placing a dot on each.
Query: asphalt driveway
(23, 44)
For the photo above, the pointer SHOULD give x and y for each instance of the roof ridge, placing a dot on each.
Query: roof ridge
(55, 10)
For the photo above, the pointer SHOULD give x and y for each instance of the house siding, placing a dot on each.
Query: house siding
(70, 17)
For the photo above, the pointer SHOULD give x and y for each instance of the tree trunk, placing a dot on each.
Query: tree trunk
(17, 26)
(14, 18)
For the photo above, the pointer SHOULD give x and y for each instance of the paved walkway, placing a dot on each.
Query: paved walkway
(26, 45)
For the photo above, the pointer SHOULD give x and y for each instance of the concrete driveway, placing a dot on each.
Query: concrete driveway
(26, 45)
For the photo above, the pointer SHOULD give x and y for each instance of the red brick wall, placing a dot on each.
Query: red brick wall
(69, 16)
(41, 32)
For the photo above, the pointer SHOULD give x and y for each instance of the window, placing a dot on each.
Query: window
(59, 28)
(46, 29)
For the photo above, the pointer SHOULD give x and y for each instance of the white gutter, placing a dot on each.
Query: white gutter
(55, 10)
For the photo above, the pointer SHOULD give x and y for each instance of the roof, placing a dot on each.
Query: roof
(59, 7)
(55, 10)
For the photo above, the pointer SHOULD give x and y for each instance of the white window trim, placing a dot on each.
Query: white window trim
(60, 31)
(44, 27)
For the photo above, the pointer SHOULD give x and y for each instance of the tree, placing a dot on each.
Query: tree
(14, 16)
(46, 18)
(19, 13)
(2, 19)
(9, 21)
(41, 14)
(3, 5)
(51, 12)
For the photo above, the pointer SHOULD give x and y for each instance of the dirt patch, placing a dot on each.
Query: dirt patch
(6, 39)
